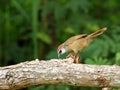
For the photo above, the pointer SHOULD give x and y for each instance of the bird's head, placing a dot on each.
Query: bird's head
(61, 49)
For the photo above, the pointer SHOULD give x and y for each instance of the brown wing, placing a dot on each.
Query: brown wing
(72, 39)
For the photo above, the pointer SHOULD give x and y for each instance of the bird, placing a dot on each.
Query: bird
(77, 43)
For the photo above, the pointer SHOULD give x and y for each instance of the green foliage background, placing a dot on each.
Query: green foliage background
(32, 29)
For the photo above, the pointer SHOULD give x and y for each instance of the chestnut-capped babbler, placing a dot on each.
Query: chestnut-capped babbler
(78, 43)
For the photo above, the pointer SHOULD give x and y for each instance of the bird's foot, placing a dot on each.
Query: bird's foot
(72, 55)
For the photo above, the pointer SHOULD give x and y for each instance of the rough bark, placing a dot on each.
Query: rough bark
(59, 72)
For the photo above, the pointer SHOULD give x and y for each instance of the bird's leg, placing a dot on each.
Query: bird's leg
(76, 58)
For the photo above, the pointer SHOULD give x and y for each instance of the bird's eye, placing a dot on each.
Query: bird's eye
(60, 51)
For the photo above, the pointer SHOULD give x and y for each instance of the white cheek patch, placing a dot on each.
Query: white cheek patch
(63, 50)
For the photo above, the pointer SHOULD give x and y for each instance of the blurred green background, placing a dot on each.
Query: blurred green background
(31, 29)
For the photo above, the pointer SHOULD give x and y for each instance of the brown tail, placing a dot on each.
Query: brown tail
(97, 33)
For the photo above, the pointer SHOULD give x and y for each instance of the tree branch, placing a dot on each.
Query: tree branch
(59, 72)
